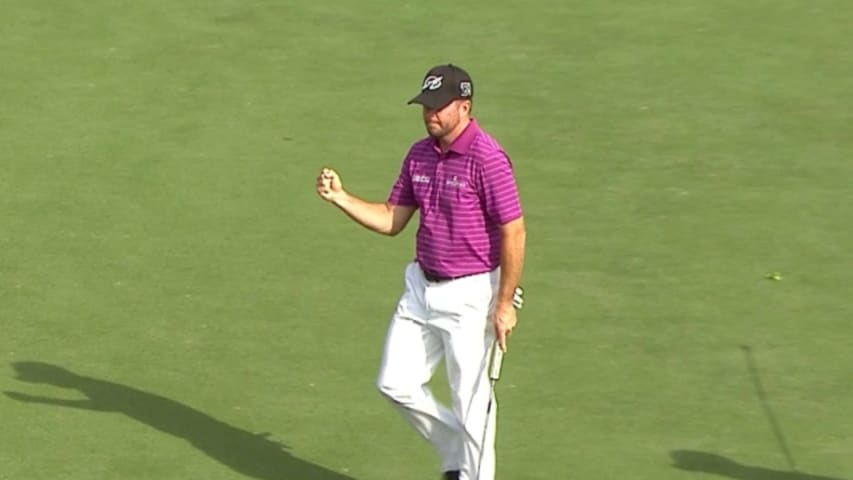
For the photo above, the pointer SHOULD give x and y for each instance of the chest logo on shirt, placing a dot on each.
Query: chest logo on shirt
(456, 182)
(420, 178)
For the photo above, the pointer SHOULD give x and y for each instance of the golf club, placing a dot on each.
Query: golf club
(495, 364)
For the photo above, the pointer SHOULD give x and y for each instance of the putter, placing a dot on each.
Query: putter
(494, 375)
(495, 364)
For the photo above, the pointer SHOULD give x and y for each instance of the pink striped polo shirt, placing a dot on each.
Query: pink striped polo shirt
(464, 196)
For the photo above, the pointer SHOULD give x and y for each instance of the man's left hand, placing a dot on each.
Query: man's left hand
(504, 321)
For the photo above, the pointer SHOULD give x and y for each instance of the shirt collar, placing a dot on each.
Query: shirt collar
(463, 142)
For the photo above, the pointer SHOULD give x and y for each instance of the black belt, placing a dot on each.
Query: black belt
(438, 278)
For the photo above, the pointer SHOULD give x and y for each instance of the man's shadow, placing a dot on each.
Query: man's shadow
(693, 461)
(253, 455)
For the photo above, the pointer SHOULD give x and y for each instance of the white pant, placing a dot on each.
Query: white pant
(450, 319)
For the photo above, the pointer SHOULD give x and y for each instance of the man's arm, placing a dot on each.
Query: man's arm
(499, 193)
(385, 218)
(512, 262)
(513, 236)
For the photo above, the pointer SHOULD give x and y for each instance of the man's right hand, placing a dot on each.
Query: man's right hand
(385, 218)
(329, 185)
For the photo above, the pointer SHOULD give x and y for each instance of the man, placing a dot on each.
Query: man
(458, 295)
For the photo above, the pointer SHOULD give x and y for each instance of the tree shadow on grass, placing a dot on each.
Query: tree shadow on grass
(693, 461)
(253, 455)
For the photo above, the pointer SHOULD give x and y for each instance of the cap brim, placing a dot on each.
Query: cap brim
(432, 100)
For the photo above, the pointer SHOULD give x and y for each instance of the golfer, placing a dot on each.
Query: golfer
(458, 294)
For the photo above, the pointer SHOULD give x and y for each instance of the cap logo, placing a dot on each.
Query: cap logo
(432, 82)
(465, 89)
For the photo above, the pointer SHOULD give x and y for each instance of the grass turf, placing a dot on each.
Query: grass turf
(160, 238)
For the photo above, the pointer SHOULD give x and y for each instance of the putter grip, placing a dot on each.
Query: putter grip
(496, 363)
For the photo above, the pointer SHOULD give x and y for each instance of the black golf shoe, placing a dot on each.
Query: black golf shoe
(451, 475)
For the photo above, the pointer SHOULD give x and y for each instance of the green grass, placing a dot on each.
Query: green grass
(160, 238)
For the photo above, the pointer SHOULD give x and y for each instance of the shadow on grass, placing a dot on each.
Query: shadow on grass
(253, 455)
(693, 461)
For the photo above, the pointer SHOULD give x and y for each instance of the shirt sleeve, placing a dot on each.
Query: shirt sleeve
(498, 189)
(402, 192)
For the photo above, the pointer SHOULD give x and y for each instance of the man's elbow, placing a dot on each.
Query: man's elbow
(399, 217)
(393, 228)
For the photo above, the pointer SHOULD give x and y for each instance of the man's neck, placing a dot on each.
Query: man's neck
(446, 141)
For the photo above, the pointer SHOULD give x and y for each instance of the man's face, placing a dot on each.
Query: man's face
(442, 121)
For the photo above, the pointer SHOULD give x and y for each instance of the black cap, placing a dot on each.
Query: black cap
(442, 85)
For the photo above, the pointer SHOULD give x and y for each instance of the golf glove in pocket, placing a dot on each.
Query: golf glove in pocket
(518, 298)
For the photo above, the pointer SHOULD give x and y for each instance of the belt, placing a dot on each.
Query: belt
(439, 278)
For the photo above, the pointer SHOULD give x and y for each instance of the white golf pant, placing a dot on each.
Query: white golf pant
(452, 320)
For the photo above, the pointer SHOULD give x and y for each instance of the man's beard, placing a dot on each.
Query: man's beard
(437, 131)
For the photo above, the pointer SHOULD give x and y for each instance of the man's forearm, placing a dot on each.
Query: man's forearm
(373, 216)
(513, 237)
